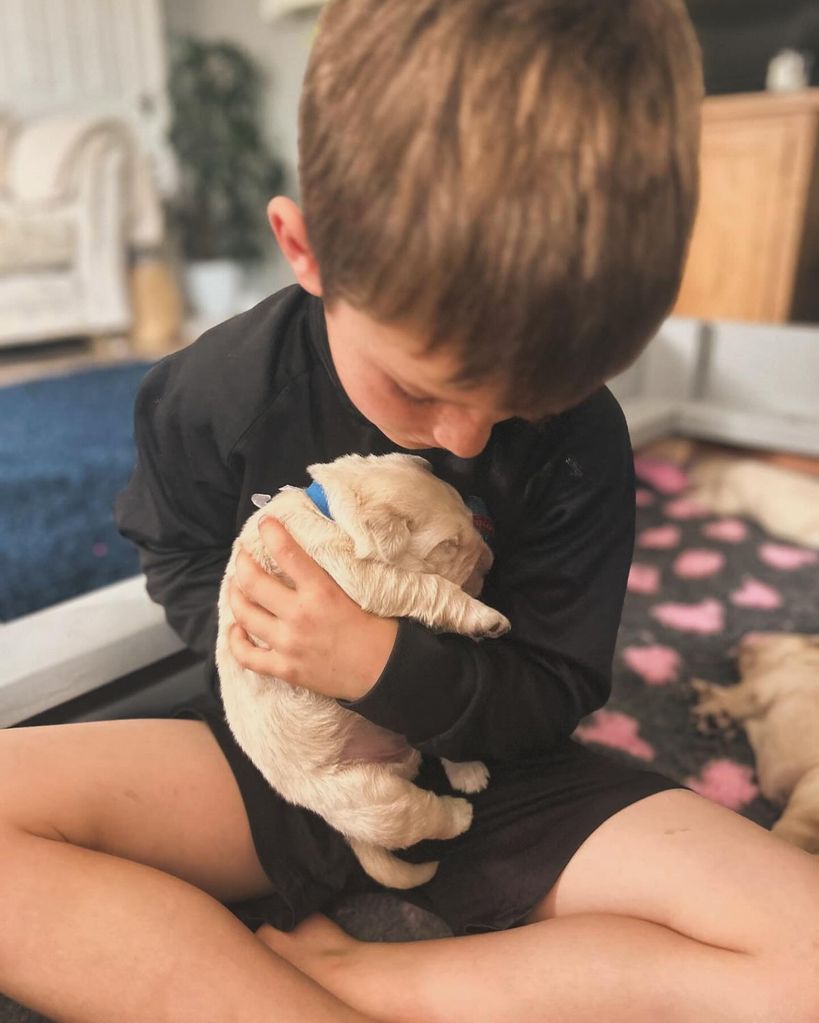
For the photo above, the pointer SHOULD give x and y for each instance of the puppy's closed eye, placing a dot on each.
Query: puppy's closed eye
(448, 546)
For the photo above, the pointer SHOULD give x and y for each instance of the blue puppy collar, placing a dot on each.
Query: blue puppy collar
(316, 494)
(480, 514)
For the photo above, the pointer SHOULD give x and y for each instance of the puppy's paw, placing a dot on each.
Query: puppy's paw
(711, 712)
(488, 623)
(458, 817)
(472, 776)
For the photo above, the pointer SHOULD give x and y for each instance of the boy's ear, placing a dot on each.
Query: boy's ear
(287, 222)
(376, 529)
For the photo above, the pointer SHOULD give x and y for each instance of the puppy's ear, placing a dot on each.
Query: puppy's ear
(402, 459)
(376, 528)
(385, 532)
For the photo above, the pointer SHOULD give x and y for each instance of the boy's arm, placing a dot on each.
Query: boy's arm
(562, 586)
(179, 507)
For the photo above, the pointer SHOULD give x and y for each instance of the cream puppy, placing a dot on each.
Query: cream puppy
(777, 703)
(784, 502)
(401, 543)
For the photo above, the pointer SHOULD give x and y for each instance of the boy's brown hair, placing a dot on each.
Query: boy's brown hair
(518, 178)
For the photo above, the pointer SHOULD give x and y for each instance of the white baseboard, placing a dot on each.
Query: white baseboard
(755, 429)
(73, 648)
(649, 419)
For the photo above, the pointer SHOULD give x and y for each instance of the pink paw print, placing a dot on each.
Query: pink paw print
(757, 595)
(727, 530)
(706, 618)
(659, 538)
(656, 665)
(666, 477)
(643, 579)
(617, 731)
(785, 558)
(725, 782)
(698, 564)
(685, 508)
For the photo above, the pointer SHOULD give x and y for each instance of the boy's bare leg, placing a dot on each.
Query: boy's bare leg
(90, 935)
(675, 909)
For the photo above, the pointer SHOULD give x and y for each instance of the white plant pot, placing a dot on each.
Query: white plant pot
(213, 287)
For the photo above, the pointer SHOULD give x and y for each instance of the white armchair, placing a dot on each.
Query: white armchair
(75, 195)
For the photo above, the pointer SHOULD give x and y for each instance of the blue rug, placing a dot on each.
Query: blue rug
(66, 449)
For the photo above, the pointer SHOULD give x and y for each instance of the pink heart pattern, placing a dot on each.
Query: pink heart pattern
(643, 579)
(699, 583)
(785, 558)
(660, 538)
(656, 665)
(698, 564)
(706, 617)
(617, 731)
(727, 530)
(685, 508)
(666, 477)
(755, 594)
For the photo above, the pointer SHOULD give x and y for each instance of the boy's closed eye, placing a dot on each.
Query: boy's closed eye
(414, 399)
(536, 419)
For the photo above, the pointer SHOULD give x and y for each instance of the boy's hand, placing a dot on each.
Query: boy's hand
(318, 637)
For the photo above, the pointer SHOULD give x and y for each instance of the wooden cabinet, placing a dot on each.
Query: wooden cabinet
(755, 249)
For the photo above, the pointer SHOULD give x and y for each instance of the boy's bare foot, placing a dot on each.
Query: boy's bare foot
(366, 975)
(317, 947)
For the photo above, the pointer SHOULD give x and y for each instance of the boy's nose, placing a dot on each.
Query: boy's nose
(462, 432)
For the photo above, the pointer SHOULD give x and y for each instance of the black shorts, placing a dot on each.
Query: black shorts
(528, 823)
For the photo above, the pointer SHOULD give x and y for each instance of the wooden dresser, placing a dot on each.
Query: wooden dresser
(755, 249)
(754, 259)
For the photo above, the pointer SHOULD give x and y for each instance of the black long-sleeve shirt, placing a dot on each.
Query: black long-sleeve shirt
(256, 399)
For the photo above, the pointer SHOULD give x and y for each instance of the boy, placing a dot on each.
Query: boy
(497, 200)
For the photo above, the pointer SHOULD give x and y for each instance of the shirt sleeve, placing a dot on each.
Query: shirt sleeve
(179, 506)
(561, 583)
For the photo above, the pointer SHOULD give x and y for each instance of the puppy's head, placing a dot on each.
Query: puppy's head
(396, 511)
(762, 652)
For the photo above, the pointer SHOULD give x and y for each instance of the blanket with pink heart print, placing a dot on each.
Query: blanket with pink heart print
(697, 584)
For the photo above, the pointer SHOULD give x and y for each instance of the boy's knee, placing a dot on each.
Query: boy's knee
(791, 986)
(23, 785)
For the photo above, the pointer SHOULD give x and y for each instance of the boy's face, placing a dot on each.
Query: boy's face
(406, 392)
(387, 375)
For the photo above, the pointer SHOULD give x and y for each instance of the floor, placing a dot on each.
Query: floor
(33, 361)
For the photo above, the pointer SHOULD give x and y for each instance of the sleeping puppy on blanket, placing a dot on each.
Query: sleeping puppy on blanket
(401, 543)
(777, 703)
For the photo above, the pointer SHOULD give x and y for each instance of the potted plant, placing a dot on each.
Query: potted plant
(226, 173)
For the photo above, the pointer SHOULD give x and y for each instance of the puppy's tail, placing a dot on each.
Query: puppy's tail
(389, 870)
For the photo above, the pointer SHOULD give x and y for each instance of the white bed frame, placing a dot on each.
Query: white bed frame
(110, 653)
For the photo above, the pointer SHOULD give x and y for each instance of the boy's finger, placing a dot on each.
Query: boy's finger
(291, 558)
(252, 617)
(264, 662)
